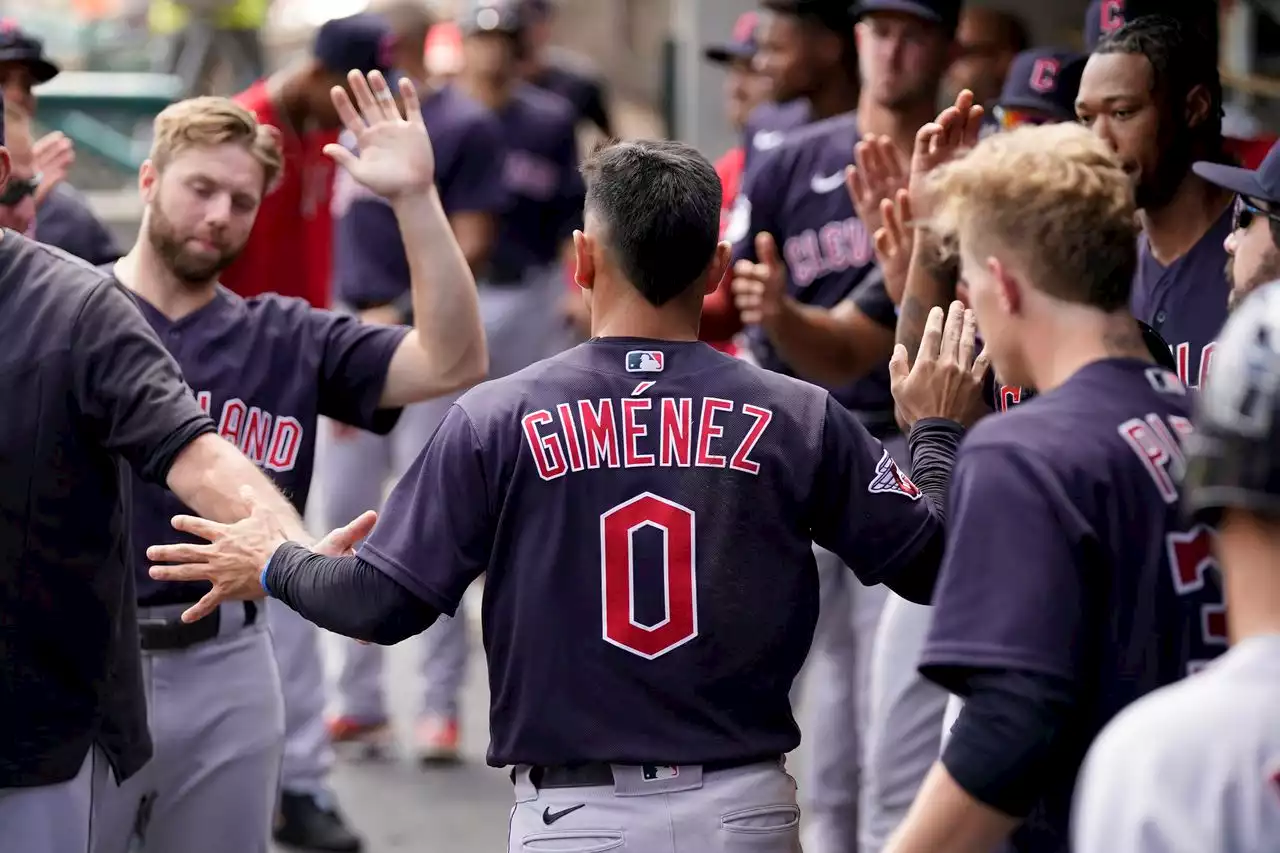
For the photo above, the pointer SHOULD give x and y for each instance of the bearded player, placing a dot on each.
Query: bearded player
(266, 368)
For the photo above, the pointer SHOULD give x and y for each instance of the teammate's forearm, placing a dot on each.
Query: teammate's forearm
(826, 345)
(930, 282)
(945, 819)
(346, 595)
(446, 311)
(210, 472)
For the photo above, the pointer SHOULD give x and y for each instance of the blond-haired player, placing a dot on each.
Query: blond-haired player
(266, 368)
(1057, 605)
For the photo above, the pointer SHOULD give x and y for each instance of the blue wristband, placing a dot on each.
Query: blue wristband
(265, 569)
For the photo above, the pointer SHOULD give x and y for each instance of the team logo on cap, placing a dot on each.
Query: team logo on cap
(889, 480)
(1044, 75)
(644, 361)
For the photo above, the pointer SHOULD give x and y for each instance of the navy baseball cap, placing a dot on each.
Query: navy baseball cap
(492, 16)
(741, 45)
(1104, 17)
(1262, 183)
(17, 45)
(1044, 79)
(945, 13)
(360, 42)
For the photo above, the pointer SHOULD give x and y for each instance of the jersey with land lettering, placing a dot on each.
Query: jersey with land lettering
(797, 193)
(1068, 556)
(1186, 302)
(768, 125)
(264, 368)
(643, 512)
(1193, 767)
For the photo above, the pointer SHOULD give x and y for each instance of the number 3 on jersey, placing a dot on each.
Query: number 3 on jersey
(618, 528)
(1191, 558)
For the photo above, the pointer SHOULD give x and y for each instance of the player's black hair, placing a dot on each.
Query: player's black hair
(1181, 58)
(1015, 31)
(833, 17)
(659, 202)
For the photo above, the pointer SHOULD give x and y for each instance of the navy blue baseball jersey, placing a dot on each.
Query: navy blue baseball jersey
(1067, 556)
(769, 124)
(369, 265)
(797, 193)
(540, 175)
(1186, 302)
(643, 513)
(264, 369)
(568, 76)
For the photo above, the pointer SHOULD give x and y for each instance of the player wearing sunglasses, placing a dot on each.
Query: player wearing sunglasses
(1254, 242)
(1040, 88)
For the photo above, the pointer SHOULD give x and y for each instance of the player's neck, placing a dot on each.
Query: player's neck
(1251, 583)
(1075, 336)
(628, 315)
(838, 97)
(493, 93)
(1174, 228)
(900, 125)
(145, 274)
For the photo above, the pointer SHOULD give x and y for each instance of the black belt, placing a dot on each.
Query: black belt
(159, 635)
(597, 774)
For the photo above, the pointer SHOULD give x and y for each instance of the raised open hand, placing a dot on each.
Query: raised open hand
(895, 239)
(878, 172)
(945, 381)
(952, 133)
(395, 155)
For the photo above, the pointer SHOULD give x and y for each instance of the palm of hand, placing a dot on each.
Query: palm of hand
(394, 157)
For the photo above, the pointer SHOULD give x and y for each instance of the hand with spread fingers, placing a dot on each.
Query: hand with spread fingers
(879, 171)
(760, 287)
(237, 554)
(894, 241)
(395, 157)
(946, 379)
(951, 134)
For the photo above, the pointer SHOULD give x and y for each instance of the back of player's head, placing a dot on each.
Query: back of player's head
(207, 122)
(1233, 458)
(1181, 59)
(658, 203)
(1055, 198)
(409, 22)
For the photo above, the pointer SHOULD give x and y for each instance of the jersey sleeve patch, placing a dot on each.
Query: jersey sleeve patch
(889, 480)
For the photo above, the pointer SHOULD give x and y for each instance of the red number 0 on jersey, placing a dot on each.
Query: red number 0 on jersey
(618, 527)
(1191, 558)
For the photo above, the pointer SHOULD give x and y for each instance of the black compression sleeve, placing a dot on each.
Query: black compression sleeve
(1011, 742)
(934, 443)
(347, 596)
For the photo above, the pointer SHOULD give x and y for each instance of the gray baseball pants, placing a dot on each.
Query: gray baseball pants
(750, 809)
(523, 324)
(61, 818)
(217, 723)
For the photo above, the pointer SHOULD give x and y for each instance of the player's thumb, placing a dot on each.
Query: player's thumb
(899, 367)
(358, 528)
(766, 249)
(340, 155)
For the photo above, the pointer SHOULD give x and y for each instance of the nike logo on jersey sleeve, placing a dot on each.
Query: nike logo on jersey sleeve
(823, 184)
(767, 140)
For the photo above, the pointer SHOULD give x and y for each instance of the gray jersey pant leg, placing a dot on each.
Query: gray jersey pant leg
(905, 728)
(217, 724)
(749, 809)
(61, 818)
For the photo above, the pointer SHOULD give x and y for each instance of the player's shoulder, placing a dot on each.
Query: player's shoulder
(42, 265)
(548, 107)
(571, 63)
(449, 103)
(830, 139)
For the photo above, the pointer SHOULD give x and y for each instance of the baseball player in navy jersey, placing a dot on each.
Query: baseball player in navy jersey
(1080, 482)
(1195, 767)
(806, 49)
(1151, 91)
(265, 368)
(1254, 241)
(520, 290)
(559, 72)
(808, 286)
(706, 479)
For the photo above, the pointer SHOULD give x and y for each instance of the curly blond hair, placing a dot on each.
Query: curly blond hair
(1055, 197)
(208, 121)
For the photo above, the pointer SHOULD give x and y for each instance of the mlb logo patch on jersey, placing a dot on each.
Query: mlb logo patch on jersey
(889, 479)
(644, 361)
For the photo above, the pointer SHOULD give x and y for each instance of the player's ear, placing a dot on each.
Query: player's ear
(719, 266)
(147, 177)
(585, 273)
(1199, 105)
(6, 166)
(1008, 290)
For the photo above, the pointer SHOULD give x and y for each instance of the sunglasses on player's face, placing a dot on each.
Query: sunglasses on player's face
(17, 189)
(1008, 119)
(1245, 211)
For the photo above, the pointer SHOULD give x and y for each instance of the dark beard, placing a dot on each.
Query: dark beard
(172, 250)
(1156, 191)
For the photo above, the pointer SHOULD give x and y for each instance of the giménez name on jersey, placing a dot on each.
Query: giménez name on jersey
(645, 432)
